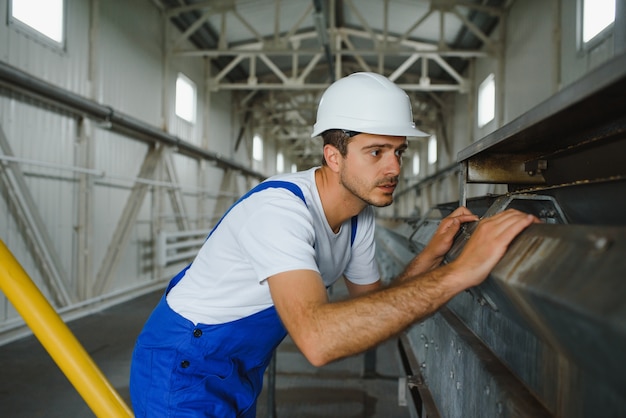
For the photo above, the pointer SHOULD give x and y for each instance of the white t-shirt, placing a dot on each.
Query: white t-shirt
(270, 232)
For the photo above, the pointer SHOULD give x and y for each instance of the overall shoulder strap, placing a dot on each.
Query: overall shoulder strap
(353, 224)
(275, 184)
(292, 187)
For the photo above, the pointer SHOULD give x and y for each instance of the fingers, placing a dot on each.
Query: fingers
(448, 228)
(489, 242)
(443, 238)
(508, 224)
(459, 216)
(461, 210)
(448, 224)
(463, 215)
(467, 218)
(451, 224)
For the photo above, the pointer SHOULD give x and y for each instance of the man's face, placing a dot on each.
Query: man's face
(371, 167)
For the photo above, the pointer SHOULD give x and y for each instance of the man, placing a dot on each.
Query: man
(265, 268)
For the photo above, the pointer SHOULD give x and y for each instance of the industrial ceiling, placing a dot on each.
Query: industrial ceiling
(279, 55)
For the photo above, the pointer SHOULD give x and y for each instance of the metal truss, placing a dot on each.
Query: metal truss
(33, 227)
(288, 61)
(319, 48)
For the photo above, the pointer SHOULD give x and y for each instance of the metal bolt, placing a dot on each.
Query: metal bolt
(601, 243)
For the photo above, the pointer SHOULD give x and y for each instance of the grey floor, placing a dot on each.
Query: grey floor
(32, 386)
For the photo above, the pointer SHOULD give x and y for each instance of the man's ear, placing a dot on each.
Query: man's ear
(332, 157)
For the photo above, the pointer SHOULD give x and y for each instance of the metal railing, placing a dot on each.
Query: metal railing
(174, 247)
(58, 340)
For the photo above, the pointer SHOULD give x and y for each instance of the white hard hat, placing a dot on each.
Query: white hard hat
(366, 102)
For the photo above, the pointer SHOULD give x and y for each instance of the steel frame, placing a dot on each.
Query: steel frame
(80, 292)
(293, 61)
(35, 230)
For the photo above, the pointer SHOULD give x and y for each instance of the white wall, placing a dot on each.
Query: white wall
(531, 45)
(114, 55)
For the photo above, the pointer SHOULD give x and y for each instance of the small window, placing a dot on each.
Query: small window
(257, 148)
(280, 163)
(432, 150)
(294, 167)
(416, 164)
(185, 98)
(45, 17)
(597, 16)
(486, 101)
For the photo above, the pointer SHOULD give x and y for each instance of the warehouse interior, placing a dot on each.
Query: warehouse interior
(127, 128)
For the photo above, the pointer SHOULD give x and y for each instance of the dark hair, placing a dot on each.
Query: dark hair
(339, 139)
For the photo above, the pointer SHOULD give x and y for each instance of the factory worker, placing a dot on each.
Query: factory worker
(265, 268)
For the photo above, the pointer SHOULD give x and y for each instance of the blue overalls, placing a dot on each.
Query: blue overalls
(184, 370)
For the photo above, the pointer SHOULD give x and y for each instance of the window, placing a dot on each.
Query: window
(294, 168)
(257, 148)
(597, 15)
(432, 150)
(280, 163)
(486, 101)
(46, 17)
(185, 98)
(416, 164)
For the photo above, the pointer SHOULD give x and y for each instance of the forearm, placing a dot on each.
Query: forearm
(346, 328)
(327, 331)
(420, 264)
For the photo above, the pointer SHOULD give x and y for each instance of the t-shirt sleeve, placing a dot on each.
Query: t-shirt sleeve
(278, 235)
(363, 268)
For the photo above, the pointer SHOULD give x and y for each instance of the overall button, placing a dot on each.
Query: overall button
(184, 364)
(197, 333)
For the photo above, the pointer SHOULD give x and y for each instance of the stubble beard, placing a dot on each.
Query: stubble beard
(363, 191)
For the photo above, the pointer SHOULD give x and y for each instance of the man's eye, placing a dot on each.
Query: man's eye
(375, 152)
(400, 152)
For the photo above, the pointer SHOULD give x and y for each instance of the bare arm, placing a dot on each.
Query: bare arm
(327, 331)
(431, 257)
(356, 289)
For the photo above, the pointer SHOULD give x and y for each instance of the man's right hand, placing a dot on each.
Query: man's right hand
(488, 243)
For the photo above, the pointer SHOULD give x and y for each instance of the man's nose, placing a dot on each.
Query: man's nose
(393, 165)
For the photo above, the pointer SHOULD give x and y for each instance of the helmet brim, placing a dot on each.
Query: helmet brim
(408, 131)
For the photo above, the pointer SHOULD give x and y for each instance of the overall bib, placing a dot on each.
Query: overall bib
(184, 370)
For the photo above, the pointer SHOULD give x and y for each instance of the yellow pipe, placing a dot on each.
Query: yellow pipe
(58, 340)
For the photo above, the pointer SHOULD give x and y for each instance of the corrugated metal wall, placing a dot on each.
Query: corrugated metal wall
(114, 56)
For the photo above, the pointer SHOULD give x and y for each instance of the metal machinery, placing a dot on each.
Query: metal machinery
(545, 334)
